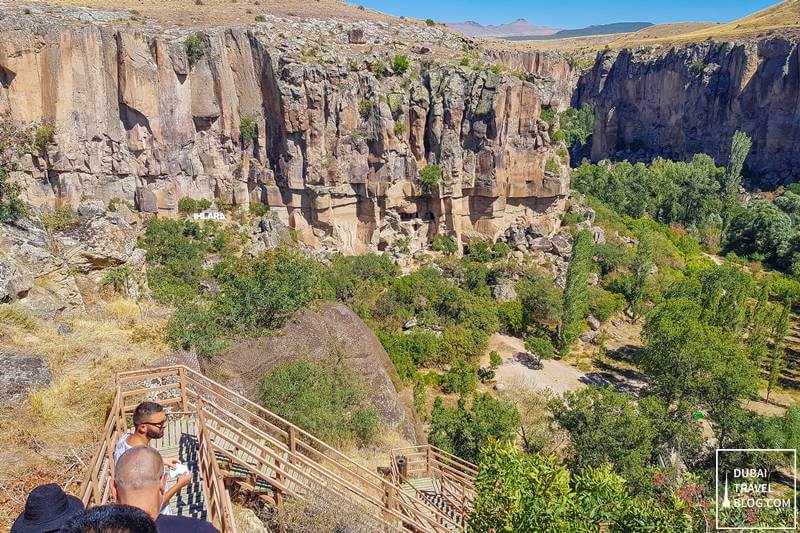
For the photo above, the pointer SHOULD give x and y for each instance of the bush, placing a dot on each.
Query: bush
(430, 176)
(248, 129)
(604, 304)
(464, 61)
(195, 48)
(459, 342)
(400, 64)
(258, 210)
(11, 207)
(260, 18)
(43, 137)
(196, 327)
(188, 205)
(444, 244)
(379, 69)
(59, 220)
(323, 397)
(548, 115)
(540, 346)
(419, 348)
(430, 22)
(399, 128)
(17, 315)
(175, 259)
(464, 431)
(365, 108)
(698, 67)
(577, 125)
(420, 398)
(512, 317)
(552, 166)
(494, 359)
(462, 378)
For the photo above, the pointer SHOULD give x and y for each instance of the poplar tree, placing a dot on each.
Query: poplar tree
(642, 265)
(575, 306)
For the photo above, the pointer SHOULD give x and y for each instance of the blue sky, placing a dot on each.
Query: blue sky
(570, 13)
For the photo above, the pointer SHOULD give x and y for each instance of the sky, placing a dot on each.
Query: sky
(570, 13)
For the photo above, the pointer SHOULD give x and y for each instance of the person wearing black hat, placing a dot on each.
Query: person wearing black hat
(46, 509)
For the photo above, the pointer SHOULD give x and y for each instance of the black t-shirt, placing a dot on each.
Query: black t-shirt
(183, 524)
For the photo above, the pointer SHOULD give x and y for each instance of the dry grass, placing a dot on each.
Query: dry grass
(51, 435)
(227, 12)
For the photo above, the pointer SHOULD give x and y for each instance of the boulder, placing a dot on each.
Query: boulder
(562, 243)
(22, 374)
(315, 333)
(504, 292)
(593, 323)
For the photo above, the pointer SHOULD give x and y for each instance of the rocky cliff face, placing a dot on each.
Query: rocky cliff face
(693, 99)
(338, 137)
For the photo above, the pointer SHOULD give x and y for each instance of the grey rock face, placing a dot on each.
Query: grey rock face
(22, 374)
(655, 103)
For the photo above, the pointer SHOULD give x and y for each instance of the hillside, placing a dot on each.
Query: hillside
(598, 29)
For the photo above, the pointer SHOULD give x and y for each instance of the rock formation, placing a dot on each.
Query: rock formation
(315, 334)
(692, 99)
(51, 271)
(328, 134)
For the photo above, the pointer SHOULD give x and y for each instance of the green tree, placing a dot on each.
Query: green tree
(531, 492)
(575, 307)
(640, 271)
(692, 364)
(740, 148)
(606, 426)
(324, 397)
(464, 430)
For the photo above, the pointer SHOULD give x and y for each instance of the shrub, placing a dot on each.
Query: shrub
(324, 397)
(59, 220)
(494, 359)
(114, 203)
(248, 129)
(512, 317)
(116, 279)
(260, 18)
(11, 207)
(462, 378)
(196, 327)
(698, 67)
(43, 137)
(258, 210)
(420, 398)
(604, 304)
(498, 69)
(400, 64)
(464, 430)
(461, 342)
(548, 115)
(500, 250)
(444, 244)
(175, 259)
(552, 166)
(188, 205)
(540, 346)
(577, 125)
(430, 22)
(195, 48)
(399, 129)
(364, 108)
(379, 69)
(407, 352)
(464, 61)
(430, 176)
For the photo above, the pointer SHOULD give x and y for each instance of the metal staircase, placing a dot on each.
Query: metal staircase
(231, 443)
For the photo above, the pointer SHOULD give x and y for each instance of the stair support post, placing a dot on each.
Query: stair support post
(184, 398)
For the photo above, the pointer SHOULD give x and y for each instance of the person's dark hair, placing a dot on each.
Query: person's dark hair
(111, 519)
(144, 410)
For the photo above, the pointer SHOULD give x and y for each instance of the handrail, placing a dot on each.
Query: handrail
(430, 461)
(284, 455)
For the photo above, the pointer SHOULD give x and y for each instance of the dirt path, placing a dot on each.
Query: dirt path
(557, 376)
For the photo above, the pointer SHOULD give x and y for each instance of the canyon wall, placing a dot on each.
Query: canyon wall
(337, 142)
(692, 99)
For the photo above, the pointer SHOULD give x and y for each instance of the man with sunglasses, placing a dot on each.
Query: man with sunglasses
(149, 419)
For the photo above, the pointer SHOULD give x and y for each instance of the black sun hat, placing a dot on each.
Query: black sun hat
(47, 509)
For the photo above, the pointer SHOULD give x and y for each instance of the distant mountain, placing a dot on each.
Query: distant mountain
(519, 27)
(599, 29)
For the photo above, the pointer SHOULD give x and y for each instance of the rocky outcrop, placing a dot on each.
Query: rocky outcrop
(331, 138)
(555, 77)
(692, 99)
(52, 271)
(21, 375)
(316, 334)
